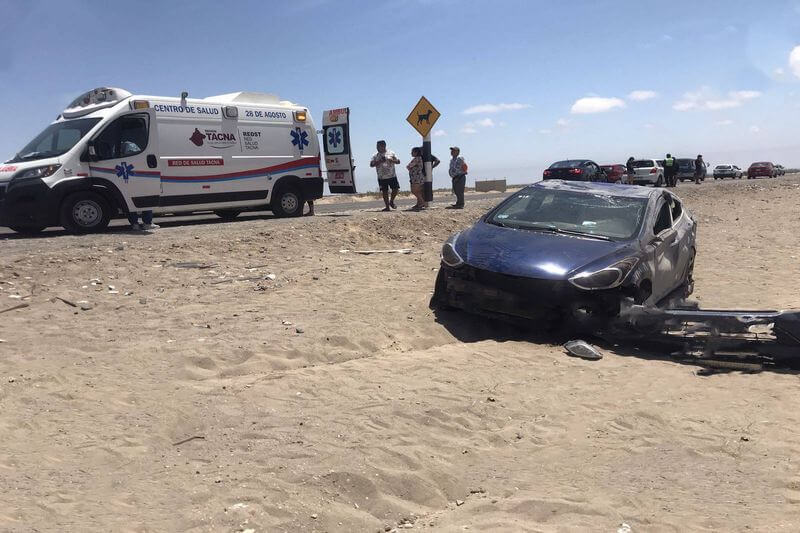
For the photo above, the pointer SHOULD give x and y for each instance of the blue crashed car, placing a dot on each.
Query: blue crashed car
(560, 250)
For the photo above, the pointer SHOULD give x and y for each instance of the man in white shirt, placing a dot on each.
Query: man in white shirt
(383, 162)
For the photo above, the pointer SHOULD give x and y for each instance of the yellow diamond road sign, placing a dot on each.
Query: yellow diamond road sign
(423, 116)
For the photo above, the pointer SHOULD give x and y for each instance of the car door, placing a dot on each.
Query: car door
(666, 250)
(338, 154)
(125, 153)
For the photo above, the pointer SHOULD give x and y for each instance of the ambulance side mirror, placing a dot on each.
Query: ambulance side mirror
(90, 154)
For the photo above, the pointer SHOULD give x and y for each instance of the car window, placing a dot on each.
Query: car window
(677, 209)
(643, 163)
(615, 217)
(125, 137)
(664, 220)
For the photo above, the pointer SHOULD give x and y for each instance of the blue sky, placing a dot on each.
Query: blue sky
(520, 83)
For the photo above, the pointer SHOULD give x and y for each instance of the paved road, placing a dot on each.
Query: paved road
(209, 218)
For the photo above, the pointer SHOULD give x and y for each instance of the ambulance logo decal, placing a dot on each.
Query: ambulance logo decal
(124, 170)
(335, 137)
(197, 138)
(299, 138)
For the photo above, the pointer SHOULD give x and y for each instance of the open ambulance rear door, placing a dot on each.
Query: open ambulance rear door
(338, 155)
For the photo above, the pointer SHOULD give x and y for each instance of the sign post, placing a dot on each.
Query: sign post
(422, 118)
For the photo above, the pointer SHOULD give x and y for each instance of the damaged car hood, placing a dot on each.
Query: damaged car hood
(533, 254)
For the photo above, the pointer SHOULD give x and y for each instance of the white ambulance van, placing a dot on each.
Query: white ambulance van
(111, 153)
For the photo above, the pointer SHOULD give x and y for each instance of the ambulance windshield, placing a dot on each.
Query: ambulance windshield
(56, 139)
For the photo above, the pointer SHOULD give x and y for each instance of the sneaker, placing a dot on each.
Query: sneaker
(150, 226)
(385, 209)
(391, 204)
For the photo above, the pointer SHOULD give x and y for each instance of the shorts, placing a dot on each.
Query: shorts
(389, 183)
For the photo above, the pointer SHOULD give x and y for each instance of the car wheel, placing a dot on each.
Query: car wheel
(287, 202)
(660, 181)
(227, 214)
(28, 230)
(85, 212)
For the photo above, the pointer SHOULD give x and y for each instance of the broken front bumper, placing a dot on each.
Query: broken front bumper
(489, 293)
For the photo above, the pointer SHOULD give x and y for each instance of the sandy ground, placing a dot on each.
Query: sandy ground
(331, 399)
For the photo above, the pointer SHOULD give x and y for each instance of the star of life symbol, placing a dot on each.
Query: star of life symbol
(334, 137)
(299, 138)
(124, 170)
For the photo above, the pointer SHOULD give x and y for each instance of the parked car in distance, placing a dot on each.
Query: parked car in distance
(686, 169)
(727, 171)
(763, 169)
(780, 170)
(648, 172)
(615, 173)
(575, 170)
(564, 252)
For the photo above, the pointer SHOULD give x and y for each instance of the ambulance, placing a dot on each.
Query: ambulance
(111, 153)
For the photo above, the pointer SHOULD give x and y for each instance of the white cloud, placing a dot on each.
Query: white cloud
(439, 133)
(754, 129)
(726, 122)
(794, 60)
(545, 131)
(485, 123)
(595, 104)
(639, 96)
(706, 99)
(779, 72)
(468, 129)
(494, 108)
(562, 122)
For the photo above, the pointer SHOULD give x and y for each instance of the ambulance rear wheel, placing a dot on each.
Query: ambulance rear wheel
(227, 214)
(288, 202)
(85, 212)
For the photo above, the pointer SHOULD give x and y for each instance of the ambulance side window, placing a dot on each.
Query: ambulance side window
(125, 137)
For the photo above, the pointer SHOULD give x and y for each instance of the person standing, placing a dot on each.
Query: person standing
(630, 170)
(699, 170)
(670, 170)
(383, 162)
(416, 175)
(147, 221)
(458, 173)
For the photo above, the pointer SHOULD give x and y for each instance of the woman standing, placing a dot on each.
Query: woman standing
(416, 174)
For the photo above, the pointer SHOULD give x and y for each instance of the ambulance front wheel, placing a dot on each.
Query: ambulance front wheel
(85, 212)
(288, 202)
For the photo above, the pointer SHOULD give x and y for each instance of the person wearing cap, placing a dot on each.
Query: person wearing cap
(699, 169)
(458, 173)
(383, 162)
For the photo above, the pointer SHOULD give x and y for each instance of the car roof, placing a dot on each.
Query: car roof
(596, 187)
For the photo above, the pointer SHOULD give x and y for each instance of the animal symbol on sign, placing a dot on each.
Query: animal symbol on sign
(124, 171)
(197, 138)
(335, 137)
(299, 138)
(424, 117)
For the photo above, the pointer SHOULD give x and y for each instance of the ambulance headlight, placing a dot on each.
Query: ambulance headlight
(36, 173)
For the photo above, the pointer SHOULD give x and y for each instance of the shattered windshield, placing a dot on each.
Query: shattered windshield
(58, 138)
(598, 215)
